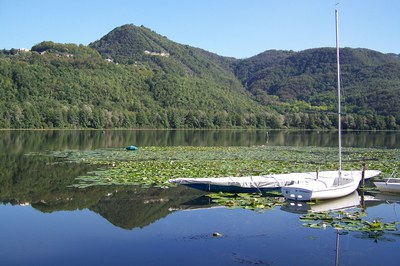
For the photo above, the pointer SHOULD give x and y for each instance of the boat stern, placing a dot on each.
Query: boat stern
(296, 193)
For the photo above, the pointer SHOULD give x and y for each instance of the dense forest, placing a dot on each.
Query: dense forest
(135, 78)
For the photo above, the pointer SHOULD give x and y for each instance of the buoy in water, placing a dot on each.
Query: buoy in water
(131, 148)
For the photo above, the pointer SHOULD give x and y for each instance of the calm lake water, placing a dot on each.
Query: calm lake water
(44, 222)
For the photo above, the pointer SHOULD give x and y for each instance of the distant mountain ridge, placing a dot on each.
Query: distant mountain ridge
(310, 75)
(133, 78)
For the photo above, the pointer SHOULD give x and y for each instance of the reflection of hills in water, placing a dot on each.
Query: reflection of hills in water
(125, 207)
(43, 182)
(140, 207)
(32, 179)
(201, 202)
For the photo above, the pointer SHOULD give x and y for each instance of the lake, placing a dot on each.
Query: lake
(46, 222)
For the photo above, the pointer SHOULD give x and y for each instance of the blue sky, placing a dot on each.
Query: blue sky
(237, 28)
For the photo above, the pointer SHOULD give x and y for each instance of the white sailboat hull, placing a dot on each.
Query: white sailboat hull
(324, 188)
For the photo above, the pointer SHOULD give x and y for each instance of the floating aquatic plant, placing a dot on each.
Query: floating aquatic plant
(349, 220)
(153, 166)
(254, 202)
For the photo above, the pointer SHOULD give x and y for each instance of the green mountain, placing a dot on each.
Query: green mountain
(306, 82)
(139, 85)
(130, 44)
(135, 78)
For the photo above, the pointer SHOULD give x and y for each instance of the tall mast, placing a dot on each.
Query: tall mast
(338, 87)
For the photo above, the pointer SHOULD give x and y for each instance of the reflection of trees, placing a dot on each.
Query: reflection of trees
(136, 207)
(43, 183)
(35, 178)
(18, 142)
(125, 207)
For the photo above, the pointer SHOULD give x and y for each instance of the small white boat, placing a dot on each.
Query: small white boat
(391, 185)
(329, 187)
(342, 183)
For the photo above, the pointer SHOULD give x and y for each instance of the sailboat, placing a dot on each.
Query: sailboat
(298, 186)
(343, 183)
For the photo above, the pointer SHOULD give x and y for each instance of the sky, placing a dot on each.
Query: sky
(235, 28)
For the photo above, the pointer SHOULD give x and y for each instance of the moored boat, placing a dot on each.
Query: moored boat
(327, 188)
(263, 183)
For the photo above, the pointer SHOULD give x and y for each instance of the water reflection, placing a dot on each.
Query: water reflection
(96, 235)
(43, 182)
(358, 199)
(125, 207)
(17, 142)
(349, 201)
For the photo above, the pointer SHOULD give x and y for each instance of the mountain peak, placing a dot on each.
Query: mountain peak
(129, 43)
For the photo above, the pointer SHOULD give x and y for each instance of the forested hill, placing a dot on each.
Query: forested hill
(130, 44)
(138, 80)
(135, 78)
(306, 81)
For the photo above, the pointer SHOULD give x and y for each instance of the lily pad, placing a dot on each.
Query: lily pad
(351, 220)
(254, 202)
